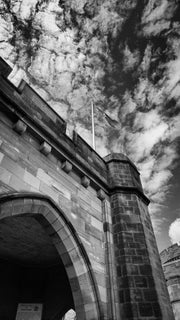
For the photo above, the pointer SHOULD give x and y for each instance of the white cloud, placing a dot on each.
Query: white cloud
(155, 28)
(152, 13)
(159, 196)
(128, 106)
(155, 210)
(157, 17)
(146, 168)
(147, 120)
(141, 143)
(26, 7)
(174, 231)
(130, 58)
(158, 179)
(167, 159)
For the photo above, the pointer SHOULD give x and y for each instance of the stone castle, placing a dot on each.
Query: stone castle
(74, 227)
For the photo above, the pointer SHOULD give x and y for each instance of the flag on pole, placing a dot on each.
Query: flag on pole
(113, 123)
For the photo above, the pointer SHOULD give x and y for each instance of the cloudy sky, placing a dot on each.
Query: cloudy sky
(124, 56)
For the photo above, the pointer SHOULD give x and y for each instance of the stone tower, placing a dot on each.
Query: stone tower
(75, 229)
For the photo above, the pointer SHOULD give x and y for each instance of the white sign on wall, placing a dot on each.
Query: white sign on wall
(29, 311)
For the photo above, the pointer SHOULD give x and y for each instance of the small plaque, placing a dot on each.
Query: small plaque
(29, 311)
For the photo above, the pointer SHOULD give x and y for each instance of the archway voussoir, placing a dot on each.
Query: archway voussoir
(52, 216)
(71, 272)
(6, 210)
(17, 206)
(66, 260)
(84, 281)
(64, 234)
(69, 243)
(35, 208)
(80, 268)
(48, 228)
(78, 299)
(60, 248)
(90, 310)
(37, 202)
(57, 225)
(43, 209)
(76, 255)
(75, 287)
(27, 208)
(77, 261)
(88, 296)
(90, 307)
(80, 311)
(28, 201)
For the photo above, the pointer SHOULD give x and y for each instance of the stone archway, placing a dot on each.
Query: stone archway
(67, 243)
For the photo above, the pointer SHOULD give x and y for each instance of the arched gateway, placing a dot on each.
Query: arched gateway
(64, 272)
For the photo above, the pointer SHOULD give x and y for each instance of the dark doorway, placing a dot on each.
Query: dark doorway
(31, 270)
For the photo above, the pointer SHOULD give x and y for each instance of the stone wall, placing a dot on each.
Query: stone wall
(102, 202)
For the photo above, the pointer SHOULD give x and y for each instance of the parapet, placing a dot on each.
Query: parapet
(27, 103)
(170, 254)
(28, 110)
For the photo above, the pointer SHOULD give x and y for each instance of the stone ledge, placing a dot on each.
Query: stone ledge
(130, 190)
(119, 157)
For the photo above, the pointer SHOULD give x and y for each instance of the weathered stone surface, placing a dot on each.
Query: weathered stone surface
(85, 181)
(20, 127)
(45, 148)
(138, 266)
(66, 166)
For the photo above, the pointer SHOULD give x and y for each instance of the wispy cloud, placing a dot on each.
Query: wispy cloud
(174, 231)
(125, 56)
(156, 18)
(130, 59)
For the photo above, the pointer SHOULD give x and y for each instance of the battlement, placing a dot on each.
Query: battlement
(171, 253)
(27, 101)
(25, 104)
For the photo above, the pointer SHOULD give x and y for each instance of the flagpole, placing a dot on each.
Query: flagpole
(93, 132)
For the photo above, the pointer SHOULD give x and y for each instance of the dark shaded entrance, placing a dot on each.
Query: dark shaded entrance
(31, 270)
